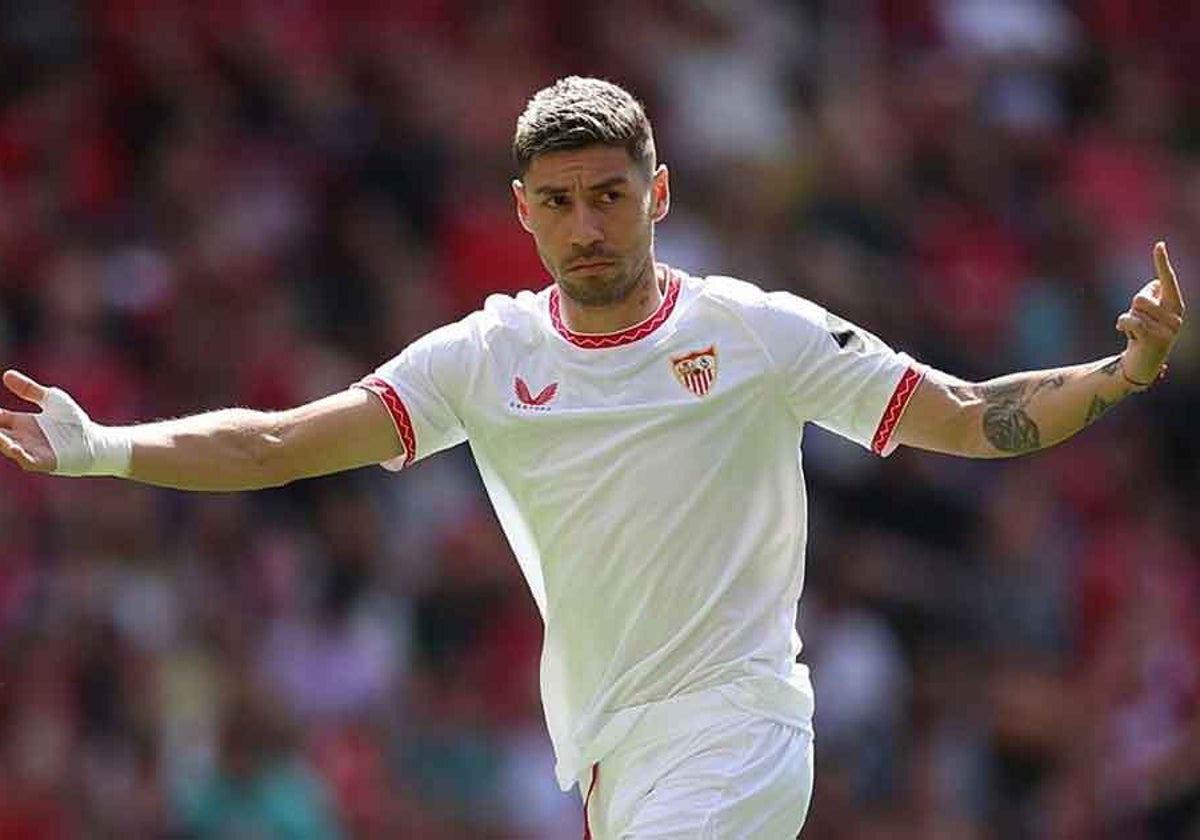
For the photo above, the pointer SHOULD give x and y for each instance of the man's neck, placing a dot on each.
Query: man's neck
(642, 302)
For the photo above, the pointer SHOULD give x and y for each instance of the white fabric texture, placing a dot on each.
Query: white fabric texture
(650, 484)
(729, 774)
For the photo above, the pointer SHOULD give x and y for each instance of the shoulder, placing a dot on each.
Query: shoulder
(726, 290)
(518, 317)
(753, 304)
(783, 325)
(502, 319)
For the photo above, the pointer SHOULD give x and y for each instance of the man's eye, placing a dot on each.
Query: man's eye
(610, 197)
(555, 201)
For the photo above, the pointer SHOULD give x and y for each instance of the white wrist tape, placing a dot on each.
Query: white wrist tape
(81, 446)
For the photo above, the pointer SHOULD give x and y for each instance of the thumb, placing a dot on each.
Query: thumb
(25, 388)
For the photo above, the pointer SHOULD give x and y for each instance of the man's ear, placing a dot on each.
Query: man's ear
(660, 190)
(522, 204)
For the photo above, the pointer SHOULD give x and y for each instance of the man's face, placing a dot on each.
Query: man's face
(592, 212)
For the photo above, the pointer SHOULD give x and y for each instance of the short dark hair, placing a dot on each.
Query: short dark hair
(577, 112)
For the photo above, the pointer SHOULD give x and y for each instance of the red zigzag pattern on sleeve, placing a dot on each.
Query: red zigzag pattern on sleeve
(895, 409)
(400, 416)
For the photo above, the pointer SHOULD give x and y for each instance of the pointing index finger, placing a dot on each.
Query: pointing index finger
(1171, 296)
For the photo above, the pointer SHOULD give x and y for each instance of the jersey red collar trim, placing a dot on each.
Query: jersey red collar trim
(602, 341)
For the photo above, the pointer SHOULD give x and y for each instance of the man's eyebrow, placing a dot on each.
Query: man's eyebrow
(607, 183)
(615, 181)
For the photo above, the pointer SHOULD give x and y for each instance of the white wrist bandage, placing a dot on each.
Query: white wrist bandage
(81, 446)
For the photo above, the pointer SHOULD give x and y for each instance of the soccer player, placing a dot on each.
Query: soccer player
(638, 430)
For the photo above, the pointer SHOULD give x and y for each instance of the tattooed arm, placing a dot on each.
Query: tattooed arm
(1025, 412)
(1012, 415)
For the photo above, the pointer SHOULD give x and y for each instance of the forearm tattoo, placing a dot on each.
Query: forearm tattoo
(1099, 406)
(1006, 422)
(1097, 409)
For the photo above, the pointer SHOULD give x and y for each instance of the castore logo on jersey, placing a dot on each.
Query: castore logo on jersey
(526, 399)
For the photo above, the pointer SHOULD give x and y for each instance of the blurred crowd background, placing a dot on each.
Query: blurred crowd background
(255, 203)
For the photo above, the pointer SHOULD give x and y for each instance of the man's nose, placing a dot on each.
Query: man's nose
(585, 226)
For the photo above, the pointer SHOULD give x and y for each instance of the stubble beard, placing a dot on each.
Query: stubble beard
(605, 293)
(614, 290)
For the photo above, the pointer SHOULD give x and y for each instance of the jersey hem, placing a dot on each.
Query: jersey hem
(785, 700)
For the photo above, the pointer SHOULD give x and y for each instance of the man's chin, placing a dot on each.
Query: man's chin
(594, 289)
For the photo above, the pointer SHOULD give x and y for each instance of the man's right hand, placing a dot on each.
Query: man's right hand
(22, 440)
(224, 450)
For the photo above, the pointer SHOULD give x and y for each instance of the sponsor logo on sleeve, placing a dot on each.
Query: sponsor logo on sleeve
(843, 333)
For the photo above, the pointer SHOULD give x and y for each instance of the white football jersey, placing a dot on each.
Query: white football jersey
(650, 483)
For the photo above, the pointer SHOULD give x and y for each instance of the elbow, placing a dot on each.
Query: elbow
(965, 431)
(972, 437)
(262, 448)
(969, 434)
(267, 461)
(982, 441)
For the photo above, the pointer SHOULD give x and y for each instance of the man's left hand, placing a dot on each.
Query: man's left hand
(1152, 322)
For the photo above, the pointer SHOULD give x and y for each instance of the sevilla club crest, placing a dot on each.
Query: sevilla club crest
(696, 371)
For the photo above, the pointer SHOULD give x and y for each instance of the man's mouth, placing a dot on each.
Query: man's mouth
(590, 266)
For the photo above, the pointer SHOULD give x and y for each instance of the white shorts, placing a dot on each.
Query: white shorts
(739, 777)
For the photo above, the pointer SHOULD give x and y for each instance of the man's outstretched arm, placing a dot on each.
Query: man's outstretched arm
(230, 449)
(1025, 412)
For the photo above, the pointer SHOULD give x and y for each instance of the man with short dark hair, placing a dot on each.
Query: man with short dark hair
(638, 431)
